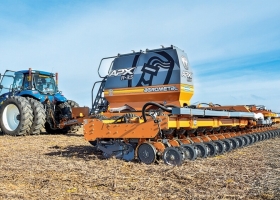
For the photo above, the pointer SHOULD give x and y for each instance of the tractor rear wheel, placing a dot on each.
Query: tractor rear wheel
(39, 119)
(16, 116)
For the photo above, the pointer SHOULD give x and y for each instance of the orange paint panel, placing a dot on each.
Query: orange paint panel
(136, 97)
(94, 128)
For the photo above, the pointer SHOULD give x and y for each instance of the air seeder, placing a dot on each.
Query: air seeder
(142, 111)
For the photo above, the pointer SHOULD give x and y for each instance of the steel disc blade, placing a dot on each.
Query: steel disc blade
(146, 153)
(172, 156)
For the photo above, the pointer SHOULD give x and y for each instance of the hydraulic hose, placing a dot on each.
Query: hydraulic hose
(153, 104)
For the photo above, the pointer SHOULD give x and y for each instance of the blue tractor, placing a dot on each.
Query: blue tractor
(30, 103)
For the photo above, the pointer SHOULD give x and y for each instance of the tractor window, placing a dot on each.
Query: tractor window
(44, 84)
(18, 81)
(7, 81)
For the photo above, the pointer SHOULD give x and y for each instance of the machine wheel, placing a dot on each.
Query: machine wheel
(247, 140)
(278, 132)
(267, 135)
(202, 150)
(146, 153)
(228, 144)
(258, 137)
(261, 134)
(241, 141)
(255, 138)
(16, 116)
(172, 156)
(189, 151)
(235, 143)
(251, 139)
(221, 146)
(212, 148)
(273, 133)
(39, 119)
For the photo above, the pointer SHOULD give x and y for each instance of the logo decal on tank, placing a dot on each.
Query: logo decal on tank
(161, 89)
(126, 74)
(153, 66)
(187, 75)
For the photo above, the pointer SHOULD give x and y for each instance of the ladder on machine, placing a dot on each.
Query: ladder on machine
(99, 104)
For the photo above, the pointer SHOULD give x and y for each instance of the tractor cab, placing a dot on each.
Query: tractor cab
(30, 83)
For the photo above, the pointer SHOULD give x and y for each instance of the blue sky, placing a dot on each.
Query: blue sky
(232, 46)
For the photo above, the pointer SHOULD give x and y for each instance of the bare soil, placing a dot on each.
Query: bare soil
(68, 167)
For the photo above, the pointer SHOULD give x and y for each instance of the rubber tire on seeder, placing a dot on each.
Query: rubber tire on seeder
(262, 136)
(246, 139)
(39, 119)
(20, 105)
(258, 137)
(235, 143)
(189, 151)
(203, 150)
(241, 141)
(221, 146)
(228, 144)
(255, 138)
(212, 148)
(251, 139)
(265, 136)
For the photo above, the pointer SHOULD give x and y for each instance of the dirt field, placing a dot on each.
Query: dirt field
(68, 167)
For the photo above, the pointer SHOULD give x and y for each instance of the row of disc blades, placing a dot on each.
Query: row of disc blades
(176, 155)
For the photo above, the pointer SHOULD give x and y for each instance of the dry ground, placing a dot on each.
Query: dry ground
(68, 167)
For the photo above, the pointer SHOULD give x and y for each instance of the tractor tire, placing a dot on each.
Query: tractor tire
(39, 119)
(16, 116)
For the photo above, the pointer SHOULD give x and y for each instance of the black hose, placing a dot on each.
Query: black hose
(153, 104)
